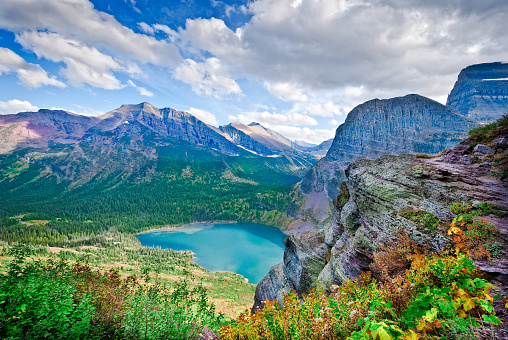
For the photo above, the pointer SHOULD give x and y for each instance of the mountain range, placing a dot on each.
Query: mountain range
(146, 166)
(409, 124)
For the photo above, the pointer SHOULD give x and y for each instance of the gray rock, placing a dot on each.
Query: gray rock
(272, 287)
(304, 258)
(482, 149)
(393, 126)
(332, 233)
(481, 92)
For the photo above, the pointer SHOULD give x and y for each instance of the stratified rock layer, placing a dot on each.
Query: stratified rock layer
(392, 126)
(378, 190)
(481, 92)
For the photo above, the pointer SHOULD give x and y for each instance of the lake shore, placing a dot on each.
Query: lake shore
(179, 226)
(248, 250)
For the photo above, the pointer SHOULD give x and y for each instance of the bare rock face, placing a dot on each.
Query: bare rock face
(393, 126)
(304, 258)
(378, 190)
(481, 92)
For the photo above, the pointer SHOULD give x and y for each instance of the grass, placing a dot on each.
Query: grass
(123, 252)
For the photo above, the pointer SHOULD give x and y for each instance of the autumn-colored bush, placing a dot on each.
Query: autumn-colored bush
(418, 296)
(108, 293)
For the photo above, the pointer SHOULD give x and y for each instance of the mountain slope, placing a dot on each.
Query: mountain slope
(127, 169)
(257, 138)
(404, 124)
(481, 92)
(407, 195)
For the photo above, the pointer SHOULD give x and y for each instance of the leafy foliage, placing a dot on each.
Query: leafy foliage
(418, 296)
(59, 300)
(420, 217)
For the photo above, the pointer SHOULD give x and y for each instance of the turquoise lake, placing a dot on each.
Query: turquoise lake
(246, 249)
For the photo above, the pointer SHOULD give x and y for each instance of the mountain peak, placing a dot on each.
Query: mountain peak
(481, 92)
(254, 124)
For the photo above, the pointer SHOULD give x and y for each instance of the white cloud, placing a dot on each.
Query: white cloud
(334, 122)
(288, 92)
(146, 28)
(204, 116)
(209, 77)
(266, 117)
(84, 64)
(15, 105)
(78, 19)
(142, 91)
(31, 75)
(315, 136)
(362, 49)
(328, 109)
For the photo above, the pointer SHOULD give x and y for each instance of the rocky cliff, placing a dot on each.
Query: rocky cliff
(404, 124)
(369, 212)
(481, 92)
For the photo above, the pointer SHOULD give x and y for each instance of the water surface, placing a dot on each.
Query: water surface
(246, 249)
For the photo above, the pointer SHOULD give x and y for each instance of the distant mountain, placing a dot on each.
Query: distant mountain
(139, 166)
(316, 150)
(257, 139)
(169, 122)
(304, 144)
(398, 125)
(481, 92)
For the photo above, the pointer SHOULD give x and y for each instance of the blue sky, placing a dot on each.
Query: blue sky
(297, 66)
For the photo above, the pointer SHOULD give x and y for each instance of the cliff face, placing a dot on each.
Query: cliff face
(481, 92)
(405, 124)
(377, 191)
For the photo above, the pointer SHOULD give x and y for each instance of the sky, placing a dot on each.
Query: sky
(296, 66)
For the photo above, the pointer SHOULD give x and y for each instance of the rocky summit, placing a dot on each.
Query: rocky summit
(481, 92)
(412, 123)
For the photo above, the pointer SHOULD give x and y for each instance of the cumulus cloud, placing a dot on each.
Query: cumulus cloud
(15, 105)
(84, 64)
(79, 20)
(142, 91)
(328, 109)
(266, 117)
(288, 92)
(205, 116)
(31, 75)
(209, 77)
(360, 48)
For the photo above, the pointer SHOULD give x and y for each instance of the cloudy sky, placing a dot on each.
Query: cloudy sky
(297, 66)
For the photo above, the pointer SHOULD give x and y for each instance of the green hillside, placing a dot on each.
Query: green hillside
(134, 180)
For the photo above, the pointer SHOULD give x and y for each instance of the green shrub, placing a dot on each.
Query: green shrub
(460, 208)
(420, 217)
(37, 302)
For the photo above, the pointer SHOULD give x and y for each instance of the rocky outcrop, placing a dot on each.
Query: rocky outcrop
(481, 92)
(378, 190)
(393, 126)
(304, 257)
